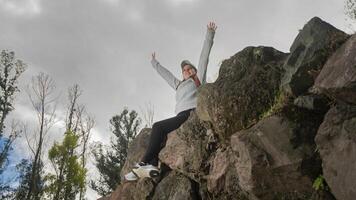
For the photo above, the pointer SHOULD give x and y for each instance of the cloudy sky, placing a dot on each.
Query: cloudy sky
(105, 46)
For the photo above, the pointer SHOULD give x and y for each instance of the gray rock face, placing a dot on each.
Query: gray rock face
(185, 149)
(338, 77)
(336, 141)
(309, 51)
(175, 186)
(268, 166)
(245, 88)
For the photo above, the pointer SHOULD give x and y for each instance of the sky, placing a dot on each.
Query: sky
(105, 46)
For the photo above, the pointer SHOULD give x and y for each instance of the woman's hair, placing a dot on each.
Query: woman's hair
(197, 82)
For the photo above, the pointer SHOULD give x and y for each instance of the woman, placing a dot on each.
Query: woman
(186, 101)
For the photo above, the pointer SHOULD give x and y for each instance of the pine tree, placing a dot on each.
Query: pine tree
(110, 162)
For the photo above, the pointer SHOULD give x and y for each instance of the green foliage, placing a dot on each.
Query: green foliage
(319, 183)
(110, 161)
(280, 100)
(24, 169)
(25, 174)
(10, 70)
(70, 175)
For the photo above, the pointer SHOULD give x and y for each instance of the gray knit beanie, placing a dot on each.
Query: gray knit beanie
(187, 62)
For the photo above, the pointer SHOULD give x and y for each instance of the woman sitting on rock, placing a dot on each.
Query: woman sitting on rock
(186, 101)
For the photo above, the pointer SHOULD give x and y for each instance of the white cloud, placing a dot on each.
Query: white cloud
(97, 136)
(21, 7)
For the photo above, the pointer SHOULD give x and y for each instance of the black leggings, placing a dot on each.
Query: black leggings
(160, 130)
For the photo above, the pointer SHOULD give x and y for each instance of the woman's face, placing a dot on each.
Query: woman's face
(188, 71)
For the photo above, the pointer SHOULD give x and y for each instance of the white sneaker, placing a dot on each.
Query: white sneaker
(145, 170)
(139, 164)
(130, 176)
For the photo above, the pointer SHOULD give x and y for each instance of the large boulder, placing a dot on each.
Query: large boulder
(336, 142)
(246, 87)
(338, 76)
(185, 150)
(275, 157)
(309, 51)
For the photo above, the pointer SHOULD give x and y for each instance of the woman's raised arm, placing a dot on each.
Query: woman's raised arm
(204, 55)
(165, 73)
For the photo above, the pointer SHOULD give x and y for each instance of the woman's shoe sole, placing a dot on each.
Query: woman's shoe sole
(141, 172)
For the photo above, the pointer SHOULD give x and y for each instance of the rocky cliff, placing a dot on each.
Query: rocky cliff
(274, 125)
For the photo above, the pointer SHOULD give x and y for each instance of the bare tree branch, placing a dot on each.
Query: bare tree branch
(40, 92)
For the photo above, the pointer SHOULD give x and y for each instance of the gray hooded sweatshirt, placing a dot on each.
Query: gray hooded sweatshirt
(186, 90)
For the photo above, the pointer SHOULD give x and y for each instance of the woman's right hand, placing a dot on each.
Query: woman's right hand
(211, 26)
(153, 55)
